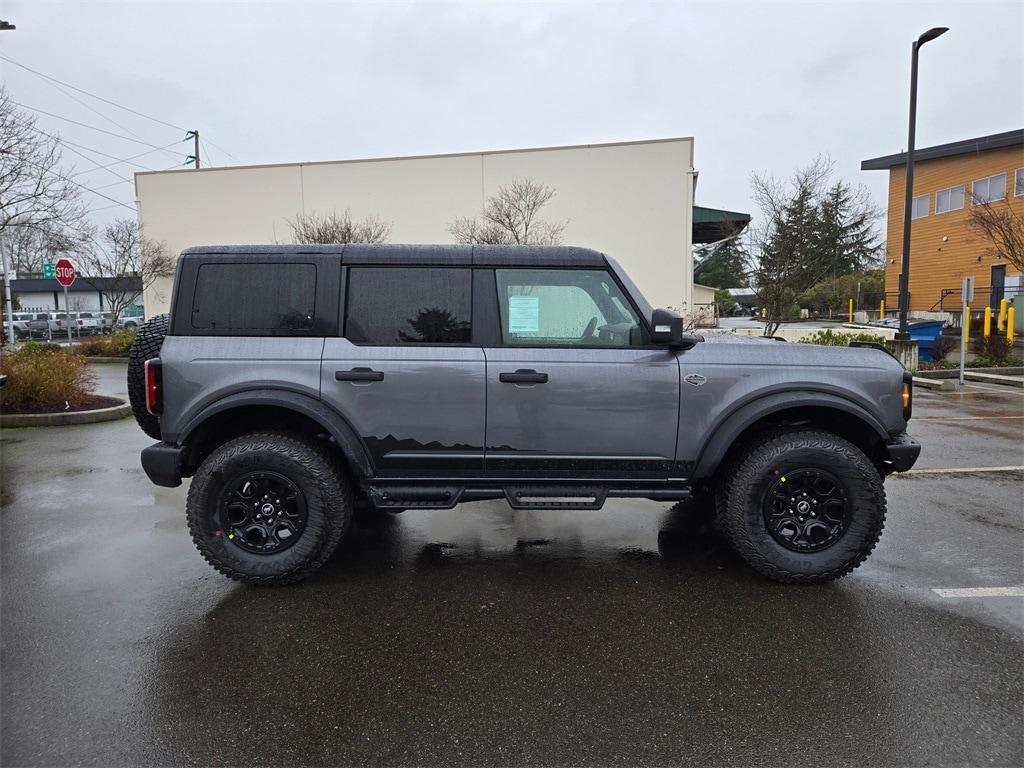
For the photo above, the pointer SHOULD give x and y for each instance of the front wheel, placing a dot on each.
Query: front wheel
(268, 508)
(803, 507)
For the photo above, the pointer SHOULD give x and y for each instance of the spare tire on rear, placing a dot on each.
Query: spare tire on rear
(148, 340)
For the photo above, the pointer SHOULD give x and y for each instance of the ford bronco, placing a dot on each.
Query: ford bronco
(294, 384)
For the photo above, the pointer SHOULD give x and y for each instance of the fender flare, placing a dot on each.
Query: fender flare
(732, 426)
(332, 422)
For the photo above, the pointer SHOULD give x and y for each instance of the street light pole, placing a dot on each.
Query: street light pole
(908, 207)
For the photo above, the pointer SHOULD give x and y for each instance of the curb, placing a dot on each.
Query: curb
(113, 413)
(954, 373)
(942, 385)
(107, 359)
(991, 378)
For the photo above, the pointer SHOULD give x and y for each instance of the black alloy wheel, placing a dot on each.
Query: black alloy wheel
(806, 510)
(262, 512)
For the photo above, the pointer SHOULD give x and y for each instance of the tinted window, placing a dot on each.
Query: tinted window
(261, 297)
(571, 307)
(414, 305)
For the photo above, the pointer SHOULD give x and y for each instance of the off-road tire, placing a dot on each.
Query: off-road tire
(317, 473)
(747, 477)
(146, 346)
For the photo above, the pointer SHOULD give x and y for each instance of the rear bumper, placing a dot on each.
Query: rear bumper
(901, 453)
(162, 464)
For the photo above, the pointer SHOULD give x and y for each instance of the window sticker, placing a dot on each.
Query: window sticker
(523, 314)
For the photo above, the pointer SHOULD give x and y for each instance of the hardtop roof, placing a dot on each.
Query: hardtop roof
(454, 255)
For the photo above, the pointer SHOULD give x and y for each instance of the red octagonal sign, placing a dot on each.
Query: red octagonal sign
(64, 271)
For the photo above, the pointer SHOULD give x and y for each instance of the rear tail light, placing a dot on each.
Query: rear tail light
(154, 386)
(81, 322)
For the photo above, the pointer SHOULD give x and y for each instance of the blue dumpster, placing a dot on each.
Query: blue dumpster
(924, 332)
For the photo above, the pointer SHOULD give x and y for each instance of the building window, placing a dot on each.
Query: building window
(408, 305)
(951, 199)
(920, 207)
(1018, 182)
(990, 189)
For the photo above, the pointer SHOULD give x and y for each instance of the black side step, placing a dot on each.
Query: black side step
(414, 497)
(555, 496)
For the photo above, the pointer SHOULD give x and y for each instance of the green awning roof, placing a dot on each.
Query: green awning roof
(713, 224)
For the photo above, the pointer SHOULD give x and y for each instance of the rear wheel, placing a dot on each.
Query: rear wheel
(146, 346)
(803, 507)
(269, 508)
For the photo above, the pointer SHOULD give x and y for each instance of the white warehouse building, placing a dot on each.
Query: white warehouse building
(631, 200)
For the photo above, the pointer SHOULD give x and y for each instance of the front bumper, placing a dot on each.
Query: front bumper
(162, 464)
(900, 453)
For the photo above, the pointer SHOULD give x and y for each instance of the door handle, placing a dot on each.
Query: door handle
(359, 374)
(523, 376)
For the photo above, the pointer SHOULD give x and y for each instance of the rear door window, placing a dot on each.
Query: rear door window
(409, 305)
(276, 297)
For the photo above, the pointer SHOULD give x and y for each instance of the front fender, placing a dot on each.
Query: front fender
(714, 448)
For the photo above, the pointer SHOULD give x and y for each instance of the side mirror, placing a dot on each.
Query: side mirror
(666, 328)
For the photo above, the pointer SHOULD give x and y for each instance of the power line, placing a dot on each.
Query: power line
(95, 111)
(85, 125)
(107, 101)
(87, 93)
(98, 166)
(127, 160)
(44, 169)
(220, 148)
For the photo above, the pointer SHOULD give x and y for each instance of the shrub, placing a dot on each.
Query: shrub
(992, 352)
(45, 378)
(944, 344)
(830, 338)
(116, 344)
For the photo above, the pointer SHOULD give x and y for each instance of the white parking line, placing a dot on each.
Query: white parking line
(966, 418)
(981, 592)
(960, 470)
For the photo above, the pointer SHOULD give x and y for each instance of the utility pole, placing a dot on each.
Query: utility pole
(8, 303)
(904, 286)
(194, 157)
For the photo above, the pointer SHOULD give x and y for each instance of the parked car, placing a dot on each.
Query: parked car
(59, 322)
(22, 325)
(131, 322)
(106, 321)
(295, 383)
(89, 323)
(39, 325)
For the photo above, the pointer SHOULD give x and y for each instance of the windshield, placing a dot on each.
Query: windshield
(641, 301)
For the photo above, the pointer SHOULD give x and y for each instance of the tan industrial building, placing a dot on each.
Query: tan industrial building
(631, 200)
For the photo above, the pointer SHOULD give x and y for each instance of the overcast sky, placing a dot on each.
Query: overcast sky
(761, 86)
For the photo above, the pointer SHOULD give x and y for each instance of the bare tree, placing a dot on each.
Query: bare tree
(510, 217)
(128, 261)
(33, 192)
(310, 228)
(1002, 227)
(29, 246)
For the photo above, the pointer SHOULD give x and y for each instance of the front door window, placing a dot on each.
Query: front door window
(564, 307)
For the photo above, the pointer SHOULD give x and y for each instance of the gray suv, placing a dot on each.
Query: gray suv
(295, 384)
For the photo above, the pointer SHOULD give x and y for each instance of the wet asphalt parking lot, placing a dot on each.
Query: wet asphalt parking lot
(482, 636)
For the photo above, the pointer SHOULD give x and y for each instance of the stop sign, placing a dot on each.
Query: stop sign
(65, 272)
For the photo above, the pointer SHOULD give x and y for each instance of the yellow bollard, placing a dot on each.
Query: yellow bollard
(1002, 314)
(851, 310)
(967, 327)
(987, 327)
(1009, 325)
(881, 310)
(764, 312)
